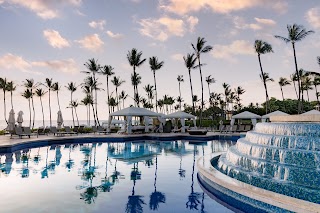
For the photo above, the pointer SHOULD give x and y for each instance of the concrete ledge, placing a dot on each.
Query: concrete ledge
(295, 118)
(213, 176)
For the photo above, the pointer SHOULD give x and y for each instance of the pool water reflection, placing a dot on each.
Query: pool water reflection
(140, 176)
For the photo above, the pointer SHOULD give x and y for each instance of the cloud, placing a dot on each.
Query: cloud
(114, 35)
(67, 65)
(237, 47)
(98, 24)
(313, 17)
(177, 57)
(183, 7)
(164, 27)
(78, 12)
(44, 8)
(91, 42)
(261, 23)
(10, 61)
(55, 39)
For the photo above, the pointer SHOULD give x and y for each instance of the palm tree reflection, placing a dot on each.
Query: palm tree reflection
(106, 184)
(44, 172)
(156, 197)
(70, 163)
(25, 160)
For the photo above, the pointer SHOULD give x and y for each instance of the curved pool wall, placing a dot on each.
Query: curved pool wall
(280, 157)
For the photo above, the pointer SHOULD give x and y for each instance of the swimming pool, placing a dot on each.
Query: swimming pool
(138, 176)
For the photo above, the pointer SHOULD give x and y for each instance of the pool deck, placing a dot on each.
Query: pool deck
(8, 144)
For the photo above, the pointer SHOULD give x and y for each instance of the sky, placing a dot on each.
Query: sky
(54, 39)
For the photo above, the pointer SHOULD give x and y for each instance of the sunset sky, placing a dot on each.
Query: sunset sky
(53, 39)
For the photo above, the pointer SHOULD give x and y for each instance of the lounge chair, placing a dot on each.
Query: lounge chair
(42, 131)
(55, 132)
(81, 129)
(241, 128)
(69, 131)
(101, 130)
(18, 131)
(247, 128)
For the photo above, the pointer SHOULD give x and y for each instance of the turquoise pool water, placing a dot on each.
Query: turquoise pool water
(141, 176)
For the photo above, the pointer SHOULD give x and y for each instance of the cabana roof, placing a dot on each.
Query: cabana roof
(246, 115)
(312, 112)
(180, 114)
(278, 112)
(134, 111)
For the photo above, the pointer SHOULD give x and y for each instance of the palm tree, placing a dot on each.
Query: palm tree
(180, 79)
(154, 66)
(87, 101)
(190, 61)
(113, 103)
(149, 90)
(123, 96)
(209, 81)
(316, 82)
(88, 86)
(262, 47)
(72, 88)
(49, 85)
(94, 68)
(56, 87)
(239, 91)
(294, 78)
(227, 92)
(135, 81)
(28, 94)
(10, 88)
(40, 93)
(3, 86)
(266, 78)
(29, 84)
(74, 105)
(117, 83)
(306, 85)
(107, 71)
(283, 82)
(296, 33)
(135, 60)
(200, 48)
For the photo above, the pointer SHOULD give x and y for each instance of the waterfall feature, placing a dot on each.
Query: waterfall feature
(279, 157)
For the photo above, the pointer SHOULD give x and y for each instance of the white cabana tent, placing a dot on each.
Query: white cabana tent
(246, 115)
(267, 116)
(182, 116)
(312, 112)
(130, 112)
(11, 121)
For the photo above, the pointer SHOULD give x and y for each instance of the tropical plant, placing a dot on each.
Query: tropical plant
(189, 62)
(180, 79)
(29, 84)
(74, 105)
(40, 93)
(316, 82)
(72, 88)
(296, 33)
(49, 85)
(262, 47)
(28, 94)
(149, 89)
(113, 103)
(3, 86)
(117, 82)
(239, 91)
(294, 78)
(135, 81)
(11, 88)
(123, 96)
(87, 101)
(154, 66)
(56, 88)
(107, 71)
(200, 48)
(283, 82)
(227, 92)
(306, 85)
(135, 60)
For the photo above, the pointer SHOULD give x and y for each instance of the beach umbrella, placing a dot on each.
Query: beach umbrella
(11, 121)
(59, 120)
(20, 118)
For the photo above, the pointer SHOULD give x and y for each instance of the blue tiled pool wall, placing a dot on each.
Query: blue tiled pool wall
(236, 200)
(283, 158)
(79, 140)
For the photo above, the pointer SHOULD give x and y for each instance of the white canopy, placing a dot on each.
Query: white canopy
(278, 112)
(246, 115)
(180, 114)
(312, 112)
(134, 111)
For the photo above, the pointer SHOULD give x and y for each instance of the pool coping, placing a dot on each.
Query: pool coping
(279, 200)
(12, 145)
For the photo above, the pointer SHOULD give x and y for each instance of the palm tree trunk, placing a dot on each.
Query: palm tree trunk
(308, 95)
(50, 109)
(298, 77)
(42, 112)
(155, 89)
(34, 113)
(117, 98)
(282, 93)
(4, 106)
(295, 89)
(58, 100)
(134, 86)
(29, 113)
(72, 110)
(108, 93)
(202, 101)
(94, 115)
(265, 85)
(193, 108)
(11, 100)
(180, 94)
(89, 114)
(75, 110)
(317, 94)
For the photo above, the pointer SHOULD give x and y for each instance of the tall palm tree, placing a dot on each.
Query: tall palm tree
(3, 86)
(209, 81)
(306, 85)
(123, 96)
(266, 78)
(113, 103)
(28, 94)
(89, 86)
(180, 79)
(11, 88)
(189, 62)
(296, 33)
(40, 93)
(56, 88)
(262, 47)
(117, 82)
(87, 101)
(74, 105)
(316, 82)
(135, 60)
(135, 81)
(239, 91)
(154, 66)
(29, 84)
(107, 71)
(149, 90)
(227, 92)
(72, 88)
(283, 82)
(294, 78)
(94, 68)
(49, 85)
(200, 48)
